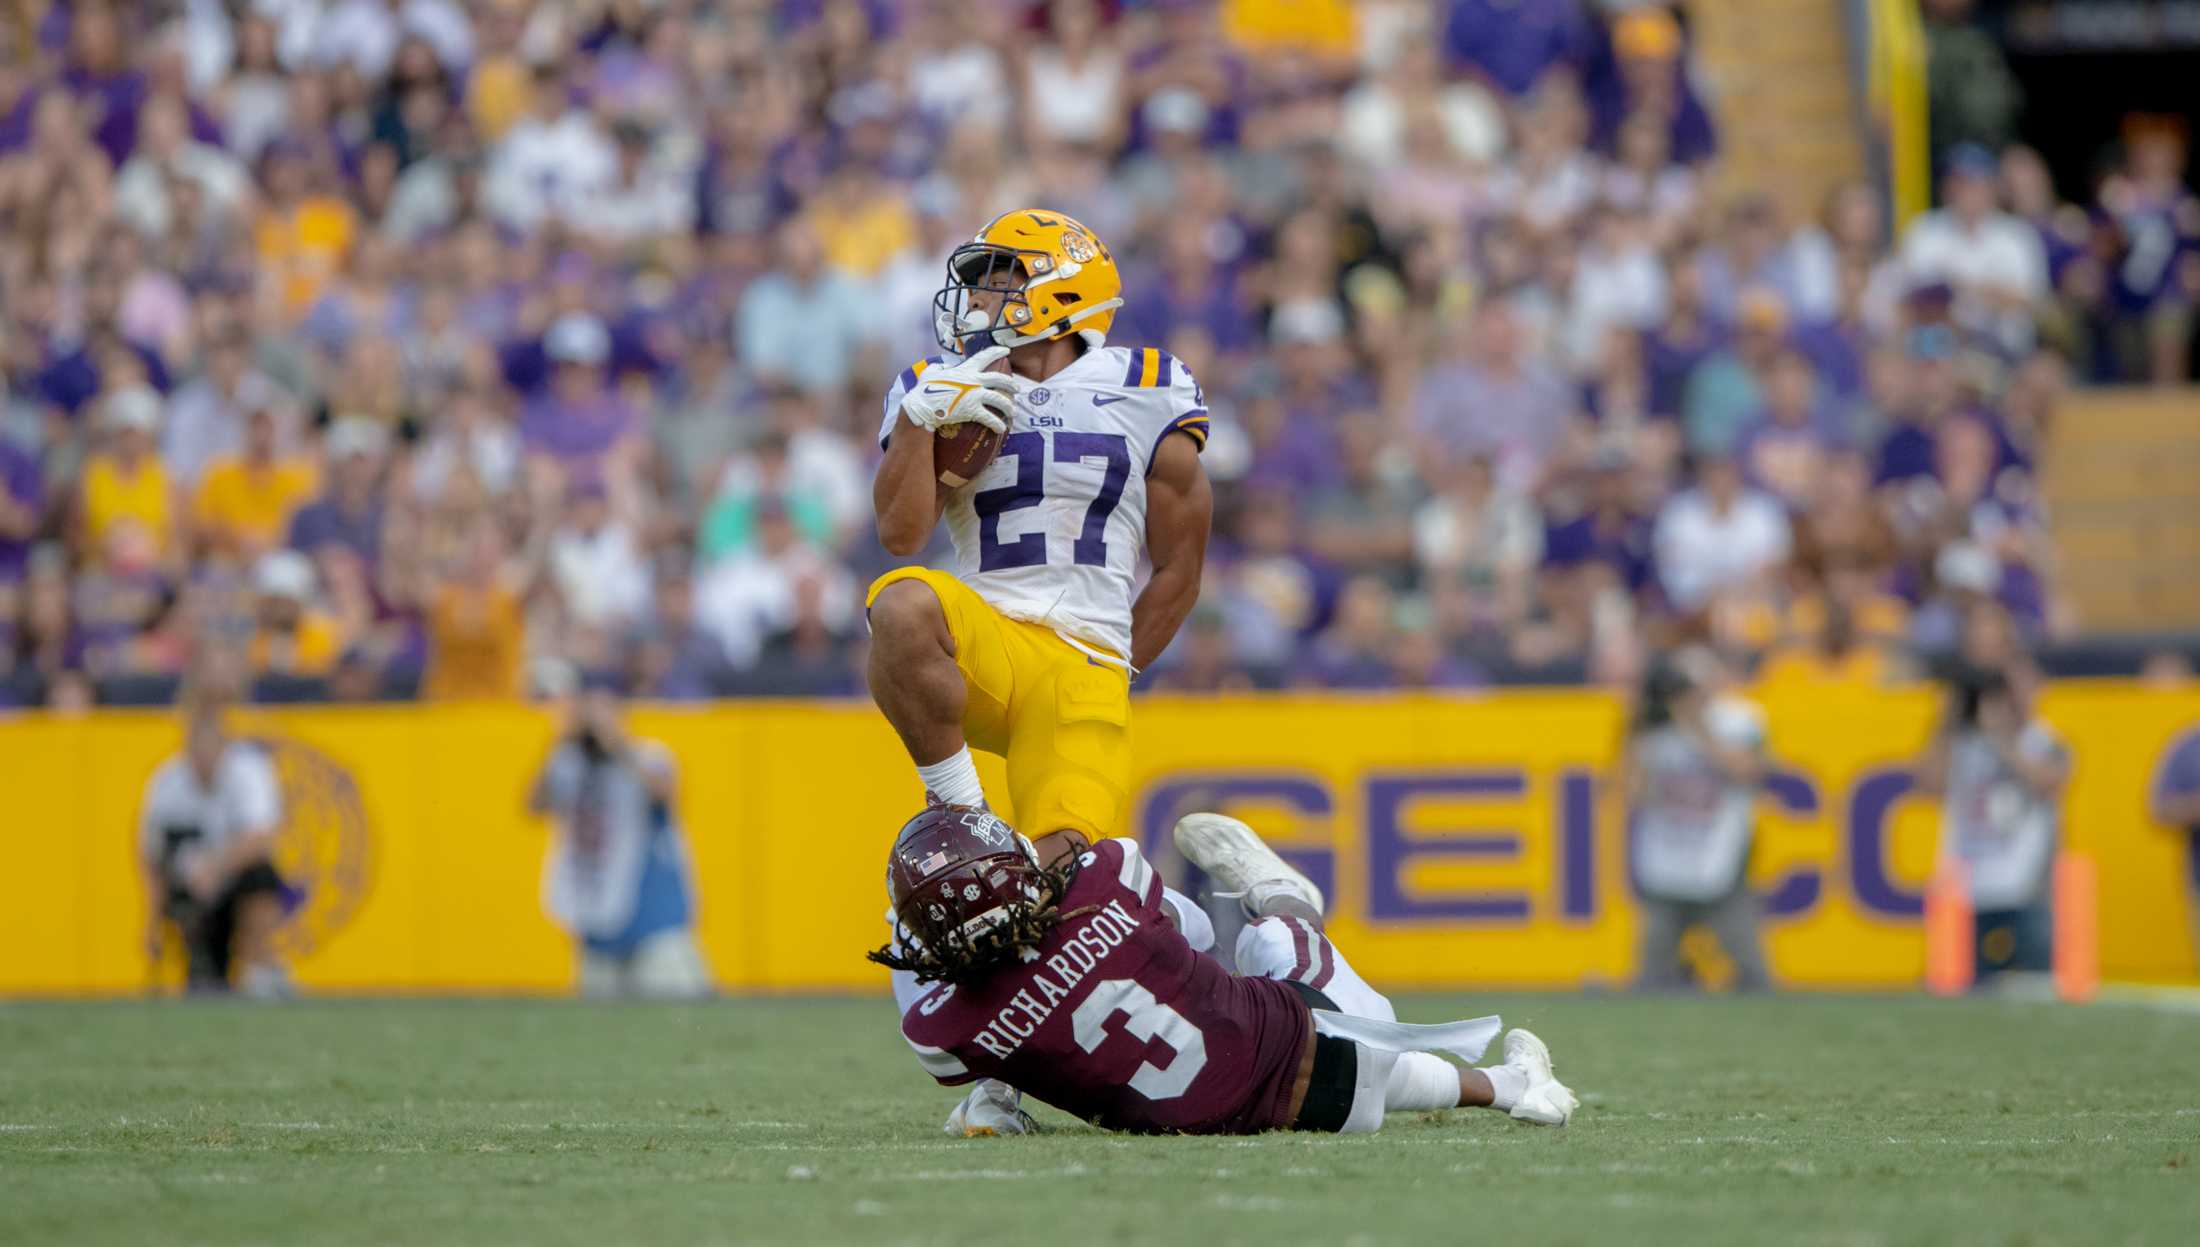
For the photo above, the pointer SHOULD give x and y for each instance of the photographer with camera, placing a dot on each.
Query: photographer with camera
(1694, 760)
(617, 877)
(1999, 771)
(206, 838)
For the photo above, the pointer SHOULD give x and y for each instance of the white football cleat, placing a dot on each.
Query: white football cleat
(991, 1109)
(1547, 1101)
(1240, 862)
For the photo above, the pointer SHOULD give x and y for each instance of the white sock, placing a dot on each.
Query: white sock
(1421, 1082)
(953, 779)
(1507, 1084)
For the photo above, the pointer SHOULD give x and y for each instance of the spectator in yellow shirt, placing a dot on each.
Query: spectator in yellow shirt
(125, 491)
(290, 636)
(245, 500)
(303, 234)
(1327, 29)
(477, 628)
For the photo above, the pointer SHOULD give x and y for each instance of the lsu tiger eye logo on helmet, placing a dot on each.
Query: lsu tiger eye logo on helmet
(1078, 247)
(324, 851)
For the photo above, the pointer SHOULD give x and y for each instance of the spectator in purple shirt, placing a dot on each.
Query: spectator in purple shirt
(1612, 531)
(1354, 651)
(578, 421)
(1941, 387)
(1641, 68)
(1188, 287)
(2158, 276)
(1419, 661)
(1186, 54)
(1287, 454)
(102, 357)
(1784, 450)
(22, 503)
(95, 73)
(1513, 43)
(1686, 336)
(674, 658)
(349, 514)
(1498, 399)
(1202, 659)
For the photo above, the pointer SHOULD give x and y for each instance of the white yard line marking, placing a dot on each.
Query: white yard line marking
(984, 1175)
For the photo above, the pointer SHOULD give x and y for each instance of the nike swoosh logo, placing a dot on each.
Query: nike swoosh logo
(1102, 400)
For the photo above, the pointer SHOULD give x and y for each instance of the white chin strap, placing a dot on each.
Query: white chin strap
(1002, 335)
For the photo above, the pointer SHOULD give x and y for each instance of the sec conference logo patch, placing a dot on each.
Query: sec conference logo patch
(323, 852)
(1041, 396)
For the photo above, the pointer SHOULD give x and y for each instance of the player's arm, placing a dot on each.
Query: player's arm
(1180, 504)
(906, 494)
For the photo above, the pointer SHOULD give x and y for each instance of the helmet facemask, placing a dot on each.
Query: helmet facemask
(987, 300)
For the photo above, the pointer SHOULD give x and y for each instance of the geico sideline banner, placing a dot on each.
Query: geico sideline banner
(1463, 841)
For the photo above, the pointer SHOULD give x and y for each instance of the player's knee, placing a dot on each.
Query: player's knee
(907, 612)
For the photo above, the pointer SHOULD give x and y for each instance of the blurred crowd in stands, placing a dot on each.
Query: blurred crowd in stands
(448, 348)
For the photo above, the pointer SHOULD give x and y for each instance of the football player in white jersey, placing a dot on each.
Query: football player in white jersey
(1027, 648)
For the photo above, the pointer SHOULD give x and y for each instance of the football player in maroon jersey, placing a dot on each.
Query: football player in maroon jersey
(1073, 983)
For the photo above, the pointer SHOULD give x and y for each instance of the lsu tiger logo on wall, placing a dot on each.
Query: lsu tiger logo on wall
(323, 851)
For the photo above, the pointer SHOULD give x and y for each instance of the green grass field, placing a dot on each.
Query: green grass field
(1792, 1120)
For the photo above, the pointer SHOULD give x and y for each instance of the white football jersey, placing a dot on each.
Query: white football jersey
(1052, 530)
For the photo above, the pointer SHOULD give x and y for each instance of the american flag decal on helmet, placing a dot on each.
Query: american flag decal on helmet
(937, 859)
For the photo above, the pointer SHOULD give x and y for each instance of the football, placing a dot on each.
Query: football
(962, 451)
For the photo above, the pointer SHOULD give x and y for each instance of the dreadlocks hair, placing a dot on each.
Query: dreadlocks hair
(967, 959)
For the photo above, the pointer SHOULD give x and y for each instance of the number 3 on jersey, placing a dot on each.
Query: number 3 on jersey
(1145, 1019)
(1030, 451)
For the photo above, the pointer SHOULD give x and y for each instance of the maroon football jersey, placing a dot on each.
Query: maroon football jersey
(1119, 1021)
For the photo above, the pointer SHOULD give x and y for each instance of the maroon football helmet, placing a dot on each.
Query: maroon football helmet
(956, 873)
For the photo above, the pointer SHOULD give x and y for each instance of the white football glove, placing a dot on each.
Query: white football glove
(962, 393)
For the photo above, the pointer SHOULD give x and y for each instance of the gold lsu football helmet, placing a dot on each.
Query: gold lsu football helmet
(1043, 275)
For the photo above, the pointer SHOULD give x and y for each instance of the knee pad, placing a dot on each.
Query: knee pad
(1422, 1082)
